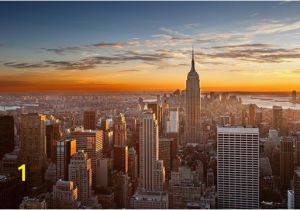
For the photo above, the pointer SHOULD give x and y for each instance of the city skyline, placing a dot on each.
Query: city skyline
(136, 46)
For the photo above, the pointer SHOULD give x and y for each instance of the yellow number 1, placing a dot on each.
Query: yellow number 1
(22, 167)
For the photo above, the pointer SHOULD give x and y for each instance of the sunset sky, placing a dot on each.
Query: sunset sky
(129, 46)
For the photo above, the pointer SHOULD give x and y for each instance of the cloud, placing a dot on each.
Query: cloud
(63, 50)
(14, 83)
(25, 65)
(129, 70)
(117, 45)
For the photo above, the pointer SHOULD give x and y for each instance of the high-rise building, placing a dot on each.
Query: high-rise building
(80, 172)
(252, 114)
(286, 162)
(294, 96)
(65, 195)
(156, 108)
(238, 167)
(173, 121)
(120, 133)
(297, 188)
(133, 165)
(65, 149)
(121, 158)
(258, 118)
(53, 134)
(33, 141)
(192, 106)
(165, 154)
(121, 189)
(152, 172)
(90, 141)
(277, 117)
(104, 172)
(7, 134)
(297, 148)
(89, 120)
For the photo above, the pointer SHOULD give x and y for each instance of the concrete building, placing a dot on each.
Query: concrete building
(152, 172)
(65, 149)
(89, 120)
(65, 195)
(165, 154)
(33, 203)
(277, 118)
(286, 162)
(104, 172)
(80, 172)
(148, 200)
(33, 141)
(120, 132)
(7, 134)
(91, 141)
(173, 121)
(121, 158)
(238, 167)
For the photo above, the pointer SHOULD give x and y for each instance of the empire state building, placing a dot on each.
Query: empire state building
(192, 106)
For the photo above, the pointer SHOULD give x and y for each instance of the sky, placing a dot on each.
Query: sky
(146, 46)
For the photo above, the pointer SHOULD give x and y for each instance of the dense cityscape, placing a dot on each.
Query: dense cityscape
(180, 149)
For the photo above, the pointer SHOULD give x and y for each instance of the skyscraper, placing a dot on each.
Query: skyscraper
(7, 134)
(33, 141)
(286, 162)
(252, 114)
(238, 167)
(90, 141)
(80, 172)
(120, 134)
(89, 120)
(53, 134)
(152, 171)
(192, 106)
(65, 149)
(121, 158)
(277, 117)
(65, 195)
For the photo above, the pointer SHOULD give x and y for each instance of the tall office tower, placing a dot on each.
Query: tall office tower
(192, 106)
(90, 141)
(53, 134)
(33, 141)
(165, 154)
(252, 114)
(294, 96)
(238, 167)
(104, 172)
(65, 149)
(65, 195)
(121, 189)
(80, 173)
(297, 145)
(7, 134)
(132, 164)
(89, 120)
(120, 133)
(258, 118)
(173, 121)
(245, 118)
(121, 158)
(297, 188)
(277, 117)
(157, 110)
(151, 168)
(286, 162)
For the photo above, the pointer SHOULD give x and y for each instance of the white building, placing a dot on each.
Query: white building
(238, 167)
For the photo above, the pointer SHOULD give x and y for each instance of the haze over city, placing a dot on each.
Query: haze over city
(146, 46)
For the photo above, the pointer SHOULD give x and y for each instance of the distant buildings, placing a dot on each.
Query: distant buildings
(33, 203)
(238, 167)
(120, 133)
(192, 107)
(252, 114)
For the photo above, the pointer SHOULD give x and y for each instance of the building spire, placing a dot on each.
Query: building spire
(193, 61)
